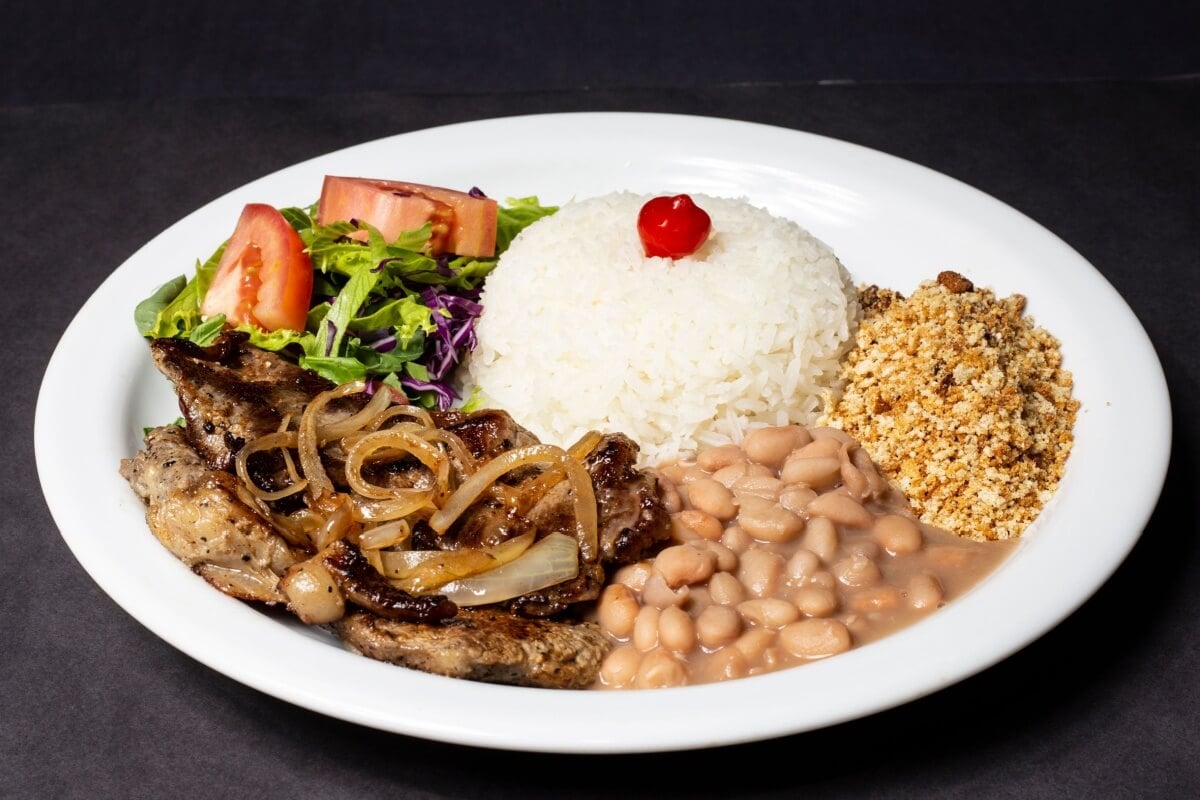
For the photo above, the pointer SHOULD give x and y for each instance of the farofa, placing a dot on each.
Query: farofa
(962, 401)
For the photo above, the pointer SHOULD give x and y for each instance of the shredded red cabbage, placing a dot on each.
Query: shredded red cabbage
(454, 318)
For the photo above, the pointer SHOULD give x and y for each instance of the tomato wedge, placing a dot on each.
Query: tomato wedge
(264, 278)
(463, 224)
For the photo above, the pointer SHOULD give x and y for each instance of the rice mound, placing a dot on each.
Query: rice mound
(581, 331)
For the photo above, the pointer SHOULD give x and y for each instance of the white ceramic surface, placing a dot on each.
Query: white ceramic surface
(890, 221)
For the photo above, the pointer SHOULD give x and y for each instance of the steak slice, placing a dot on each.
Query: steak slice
(196, 514)
(486, 433)
(364, 586)
(231, 392)
(633, 521)
(484, 645)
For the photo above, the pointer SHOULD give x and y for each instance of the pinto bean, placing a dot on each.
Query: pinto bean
(657, 593)
(898, 535)
(770, 612)
(713, 498)
(857, 571)
(802, 565)
(925, 591)
(768, 521)
(770, 446)
(841, 509)
(717, 626)
(618, 609)
(726, 589)
(821, 537)
(815, 638)
(645, 629)
(766, 487)
(634, 575)
(816, 473)
(818, 448)
(815, 601)
(796, 498)
(727, 560)
(725, 664)
(683, 564)
(761, 572)
(690, 524)
(676, 630)
(660, 670)
(715, 458)
(620, 667)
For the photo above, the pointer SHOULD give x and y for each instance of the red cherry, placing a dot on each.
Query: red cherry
(672, 227)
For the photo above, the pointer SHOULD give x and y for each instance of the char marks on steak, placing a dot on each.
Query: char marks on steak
(484, 645)
(634, 523)
(486, 433)
(195, 512)
(231, 392)
(362, 585)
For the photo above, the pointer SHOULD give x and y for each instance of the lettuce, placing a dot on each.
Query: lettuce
(381, 311)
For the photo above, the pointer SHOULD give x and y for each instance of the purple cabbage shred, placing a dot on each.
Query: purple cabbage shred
(331, 331)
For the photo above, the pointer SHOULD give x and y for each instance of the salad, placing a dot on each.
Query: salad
(379, 281)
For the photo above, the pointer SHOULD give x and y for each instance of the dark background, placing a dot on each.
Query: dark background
(118, 119)
(52, 52)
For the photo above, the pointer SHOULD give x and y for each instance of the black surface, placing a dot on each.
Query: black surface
(54, 50)
(1106, 705)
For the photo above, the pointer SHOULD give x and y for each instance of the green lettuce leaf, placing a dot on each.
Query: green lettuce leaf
(516, 215)
(179, 315)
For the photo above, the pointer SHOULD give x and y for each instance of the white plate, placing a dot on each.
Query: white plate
(890, 221)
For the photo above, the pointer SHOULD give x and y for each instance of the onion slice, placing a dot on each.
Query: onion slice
(422, 571)
(281, 440)
(583, 496)
(389, 534)
(551, 561)
(586, 444)
(396, 441)
(308, 439)
(336, 430)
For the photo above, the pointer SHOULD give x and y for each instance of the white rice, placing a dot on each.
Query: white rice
(580, 331)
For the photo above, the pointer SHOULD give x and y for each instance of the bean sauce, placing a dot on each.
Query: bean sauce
(790, 548)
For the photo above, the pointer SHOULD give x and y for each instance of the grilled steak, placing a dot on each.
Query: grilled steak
(231, 392)
(486, 433)
(364, 586)
(195, 512)
(484, 645)
(632, 521)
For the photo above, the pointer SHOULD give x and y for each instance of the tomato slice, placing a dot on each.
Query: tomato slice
(463, 224)
(264, 278)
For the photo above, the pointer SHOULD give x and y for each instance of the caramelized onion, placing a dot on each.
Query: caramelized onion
(416, 412)
(272, 441)
(308, 437)
(583, 497)
(389, 534)
(586, 444)
(398, 442)
(376, 521)
(336, 430)
(338, 522)
(421, 571)
(402, 503)
(552, 560)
